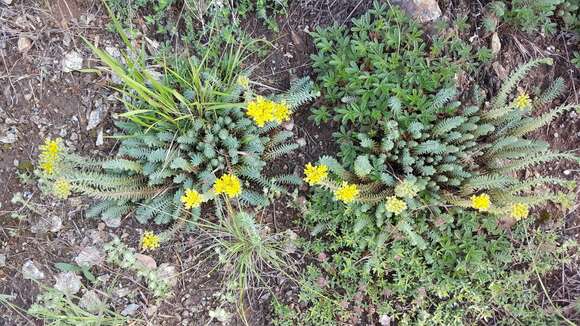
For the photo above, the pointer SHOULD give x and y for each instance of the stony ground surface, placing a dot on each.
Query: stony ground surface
(44, 95)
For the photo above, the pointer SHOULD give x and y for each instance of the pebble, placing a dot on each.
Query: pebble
(68, 283)
(45, 225)
(10, 136)
(2, 260)
(100, 139)
(30, 271)
(111, 222)
(72, 61)
(24, 44)
(147, 261)
(97, 115)
(289, 125)
(91, 302)
(385, 320)
(167, 273)
(130, 309)
(89, 256)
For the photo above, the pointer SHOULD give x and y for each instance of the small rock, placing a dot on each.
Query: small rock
(566, 172)
(113, 51)
(146, 261)
(130, 309)
(31, 272)
(24, 44)
(72, 61)
(495, 44)
(100, 139)
(91, 302)
(89, 256)
(156, 75)
(499, 70)
(45, 225)
(423, 10)
(2, 260)
(122, 292)
(67, 39)
(301, 142)
(221, 315)
(167, 273)
(289, 125)
(97, 115)
(151, 310)
(10, 136)
(68, 283)
(111, 221)
(385, 320)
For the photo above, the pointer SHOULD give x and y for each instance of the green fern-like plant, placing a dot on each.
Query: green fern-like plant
(472, 150)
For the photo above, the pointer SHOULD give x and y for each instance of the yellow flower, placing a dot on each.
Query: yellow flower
(406, 189)
(395, 205)
(191, 199)
(61, 188)
(481, 202)
(315, 174)
(346, 193)
(228, 184)
(260, 110)
(47, 167)
(149, 241)
(281, 112)
(520, 211)
(49, 155)
(522, 101)
(243, 81)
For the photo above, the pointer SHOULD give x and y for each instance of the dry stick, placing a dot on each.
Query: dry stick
(352, 12)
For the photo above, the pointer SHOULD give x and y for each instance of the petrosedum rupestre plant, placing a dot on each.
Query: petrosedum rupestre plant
(162, 172)
(469, 158)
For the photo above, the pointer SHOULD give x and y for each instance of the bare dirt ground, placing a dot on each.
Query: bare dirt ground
(40, 100)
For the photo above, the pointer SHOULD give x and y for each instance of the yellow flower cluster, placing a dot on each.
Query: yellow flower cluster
(191, 199)
(61, 188)
(406, 189)
(315, 174)
(149, 241)
(522, 101)
(395, 205)
(481, 202)
(520, 211)
(243, 81)
(346, 193)
(262, 110)
(49, 155)
(228, 184)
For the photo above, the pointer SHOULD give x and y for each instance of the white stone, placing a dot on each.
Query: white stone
(30, 271)
(72, 61)
(68, 283)
(89, 256)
